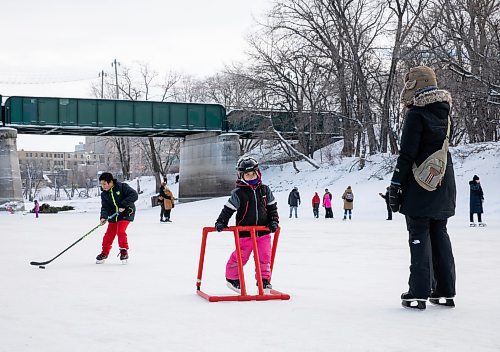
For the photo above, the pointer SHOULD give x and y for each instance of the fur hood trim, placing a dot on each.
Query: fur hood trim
(433, 96)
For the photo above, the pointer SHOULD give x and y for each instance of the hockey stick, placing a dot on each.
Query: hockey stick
(78, 240)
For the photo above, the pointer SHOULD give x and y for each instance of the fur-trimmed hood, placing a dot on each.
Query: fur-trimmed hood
(432, 96)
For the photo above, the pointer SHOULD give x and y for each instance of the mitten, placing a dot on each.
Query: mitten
(219, 226)
(273, 226)
(395, 196)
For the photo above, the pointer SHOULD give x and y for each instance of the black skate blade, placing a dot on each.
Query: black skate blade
(231, 287)
(414, 304)
(444, 302)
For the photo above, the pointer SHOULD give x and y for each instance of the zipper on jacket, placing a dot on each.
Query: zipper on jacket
(256, 207)
(114, 202)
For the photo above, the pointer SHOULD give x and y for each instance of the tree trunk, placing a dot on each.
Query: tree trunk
(156, 165)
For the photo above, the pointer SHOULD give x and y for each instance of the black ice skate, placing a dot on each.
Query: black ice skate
(442, 301)
(408, 301)
(266, 285)
(233, 285)
(123, 255)
(101, 258)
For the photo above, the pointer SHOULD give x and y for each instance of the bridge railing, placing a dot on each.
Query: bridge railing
(99, 114)
(284, 121)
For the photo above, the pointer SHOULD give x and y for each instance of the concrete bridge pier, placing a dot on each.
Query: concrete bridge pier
(11, 192)
(208, 165)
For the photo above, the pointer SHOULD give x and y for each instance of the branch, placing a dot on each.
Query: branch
(290, 147)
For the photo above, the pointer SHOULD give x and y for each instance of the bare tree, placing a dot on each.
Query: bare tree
(161, 153)
(404, 15)
(466, 46)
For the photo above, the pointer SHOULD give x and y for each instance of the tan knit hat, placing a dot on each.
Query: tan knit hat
(417, 79)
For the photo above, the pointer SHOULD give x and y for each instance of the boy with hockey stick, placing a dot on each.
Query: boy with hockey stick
(254, 205)
(116, 197)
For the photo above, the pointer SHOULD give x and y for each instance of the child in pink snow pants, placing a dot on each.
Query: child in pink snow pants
(36, 208)
(254, 205)
(264, 247)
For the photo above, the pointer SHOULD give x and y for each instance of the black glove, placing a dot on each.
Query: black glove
(273, 226)
(395, 196)
(219, 226)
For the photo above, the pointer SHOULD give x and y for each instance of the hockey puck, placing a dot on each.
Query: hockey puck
(41, 267)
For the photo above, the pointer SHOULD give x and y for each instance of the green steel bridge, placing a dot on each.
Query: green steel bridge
(102, 117)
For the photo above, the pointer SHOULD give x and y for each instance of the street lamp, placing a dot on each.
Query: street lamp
(115, 64)
(102, 74)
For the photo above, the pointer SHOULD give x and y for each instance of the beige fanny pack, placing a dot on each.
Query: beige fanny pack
(430, 173)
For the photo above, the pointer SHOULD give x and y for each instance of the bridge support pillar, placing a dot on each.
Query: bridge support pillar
(207, 165)
(11, 192)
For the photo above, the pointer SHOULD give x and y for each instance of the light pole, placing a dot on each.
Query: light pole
(102, 74)
(115, 64)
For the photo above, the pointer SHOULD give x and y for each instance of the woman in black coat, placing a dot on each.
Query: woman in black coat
(432, 269)
(476, 201)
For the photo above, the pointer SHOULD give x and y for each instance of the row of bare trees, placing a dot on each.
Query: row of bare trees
(348, 57)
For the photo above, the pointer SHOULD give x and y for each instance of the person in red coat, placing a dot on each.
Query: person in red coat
(315, 203)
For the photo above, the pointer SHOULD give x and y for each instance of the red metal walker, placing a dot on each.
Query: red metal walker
(261, 296)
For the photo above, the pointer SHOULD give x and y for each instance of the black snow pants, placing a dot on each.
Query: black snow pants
(316, 210)
(432, 266)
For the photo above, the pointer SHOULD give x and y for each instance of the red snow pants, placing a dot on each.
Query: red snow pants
(115, 228)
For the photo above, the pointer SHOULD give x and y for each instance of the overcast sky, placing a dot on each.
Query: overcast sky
(47, 42)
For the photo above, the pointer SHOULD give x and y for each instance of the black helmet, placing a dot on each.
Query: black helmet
(246, 164)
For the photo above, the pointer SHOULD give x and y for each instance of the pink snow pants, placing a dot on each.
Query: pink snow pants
(114, 229)
(264, 247)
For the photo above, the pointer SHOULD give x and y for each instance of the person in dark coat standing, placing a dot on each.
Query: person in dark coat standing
(432, 269)
(116, 198)
(476, 201)
(294, 200)
(315, 203)
(386, 197)
(161, 200)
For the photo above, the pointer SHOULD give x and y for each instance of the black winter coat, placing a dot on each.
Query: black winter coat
(120, 196)
(254, 206)
(476, 197)
(294, 198)
(424, 131)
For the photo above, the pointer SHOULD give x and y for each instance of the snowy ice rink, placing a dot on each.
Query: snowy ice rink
(344, 278)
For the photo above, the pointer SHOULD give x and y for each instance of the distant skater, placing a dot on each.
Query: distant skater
(348, 198)
(315, 204)
(294, 201)
(327, 204)
(476, 201)
(386, 198)
(167, 202)
(36, 208)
